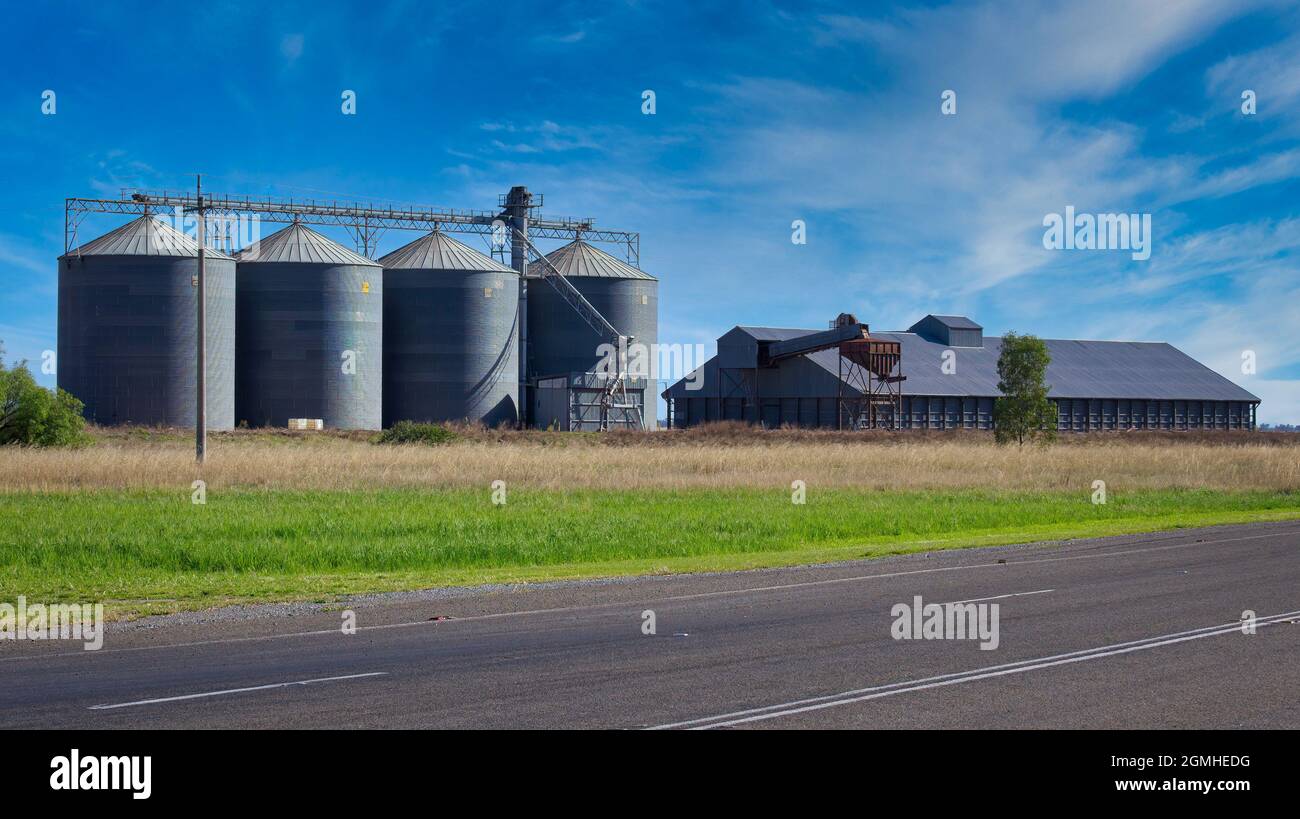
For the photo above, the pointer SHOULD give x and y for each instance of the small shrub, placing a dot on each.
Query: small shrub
(34, 416)
(410, 432)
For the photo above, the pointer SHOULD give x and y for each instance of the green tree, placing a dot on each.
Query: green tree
(35, 416)
(1024, 412)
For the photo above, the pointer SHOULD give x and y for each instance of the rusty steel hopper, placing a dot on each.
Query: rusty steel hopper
(879, 357)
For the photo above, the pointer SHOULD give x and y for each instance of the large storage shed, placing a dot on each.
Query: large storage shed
(309, 332)
(951, 376)
(128, 319)
(451, 334)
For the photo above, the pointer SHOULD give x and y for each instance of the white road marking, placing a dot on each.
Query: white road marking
(657, 600)
(956, 678)
(997, 597)
(235, 691)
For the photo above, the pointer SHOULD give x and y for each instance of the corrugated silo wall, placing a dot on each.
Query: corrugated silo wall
(298, 327)
(451, 346)
(127, 329)
(560, 342)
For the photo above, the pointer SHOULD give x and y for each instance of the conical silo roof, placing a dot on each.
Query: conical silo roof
(438, 251)
(579, 259)
(146, 236)
(299, 243)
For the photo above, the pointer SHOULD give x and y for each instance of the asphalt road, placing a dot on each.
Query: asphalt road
(1127, 632)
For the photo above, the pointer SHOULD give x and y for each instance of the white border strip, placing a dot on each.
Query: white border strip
(236, 691)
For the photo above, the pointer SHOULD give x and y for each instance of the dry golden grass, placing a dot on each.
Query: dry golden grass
(721, 457)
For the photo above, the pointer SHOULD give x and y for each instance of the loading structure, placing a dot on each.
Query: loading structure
(605, 394)
(867, 392)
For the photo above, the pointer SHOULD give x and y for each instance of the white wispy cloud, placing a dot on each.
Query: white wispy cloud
(116, 169)
(1051, 51)
(547, 137)
(972, 189)
(1272, 72)
(17, 253)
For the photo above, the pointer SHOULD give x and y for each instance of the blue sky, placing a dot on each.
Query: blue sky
(765, 113)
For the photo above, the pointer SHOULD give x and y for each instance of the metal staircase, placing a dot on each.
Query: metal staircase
(616, 408)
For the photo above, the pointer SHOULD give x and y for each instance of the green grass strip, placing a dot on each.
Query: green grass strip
(154, 551)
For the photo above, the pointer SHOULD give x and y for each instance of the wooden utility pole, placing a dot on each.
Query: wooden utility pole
(201, 380)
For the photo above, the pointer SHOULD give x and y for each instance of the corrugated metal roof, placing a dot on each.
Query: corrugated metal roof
(1079, 369)
(146, 236)
(775, 333)
(579, 258)
(954, 322)
(438, 251)
(299, 243)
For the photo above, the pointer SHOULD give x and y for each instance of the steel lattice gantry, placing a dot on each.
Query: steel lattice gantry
(366, 222)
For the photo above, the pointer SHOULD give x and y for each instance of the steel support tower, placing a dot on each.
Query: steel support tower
(870, 390)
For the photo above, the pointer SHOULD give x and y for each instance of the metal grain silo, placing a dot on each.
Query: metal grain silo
(559, 341)
(128, 315)
(451, 342)
(309, 327)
